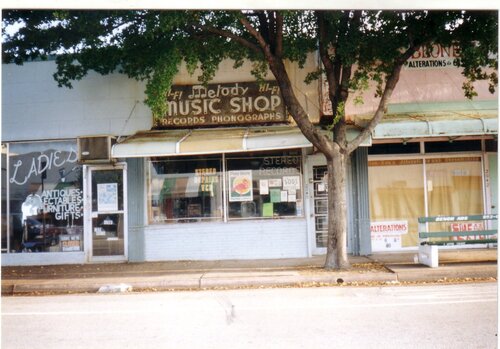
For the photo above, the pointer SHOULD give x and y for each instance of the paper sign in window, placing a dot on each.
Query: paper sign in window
(275, 182)
(275, 195)
(284, 196)
(291, 182)
(267, 209)
(107, 197)
(264, 187)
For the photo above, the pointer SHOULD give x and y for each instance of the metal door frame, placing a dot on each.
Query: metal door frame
(87, 187)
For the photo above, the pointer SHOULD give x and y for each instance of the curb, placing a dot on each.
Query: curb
(205, 281)
(250, 279)
(407, 273)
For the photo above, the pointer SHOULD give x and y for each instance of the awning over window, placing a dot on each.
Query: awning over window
(209, 141)
(427, 120)
(435, 128)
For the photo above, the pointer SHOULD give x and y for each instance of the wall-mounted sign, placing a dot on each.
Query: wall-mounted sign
(223, 104)
(437, 58)
(440, 57)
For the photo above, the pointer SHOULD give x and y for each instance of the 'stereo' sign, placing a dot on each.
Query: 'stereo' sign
(223, 104)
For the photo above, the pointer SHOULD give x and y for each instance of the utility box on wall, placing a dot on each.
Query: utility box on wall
(95, 149)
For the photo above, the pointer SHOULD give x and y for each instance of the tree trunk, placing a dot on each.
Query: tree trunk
(336, 254)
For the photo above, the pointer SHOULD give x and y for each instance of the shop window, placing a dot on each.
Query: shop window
(45, 198)
(396, 201)
(185, 190)
(452, 146)
(491, 145)
(394, 148)
(4, 213)
(267, 186)
(454, 186)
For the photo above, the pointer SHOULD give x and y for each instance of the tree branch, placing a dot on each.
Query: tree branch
(279, 34)
(389, 88)
(325, 57)
(229, 35)
(347, 69)
(260, 39)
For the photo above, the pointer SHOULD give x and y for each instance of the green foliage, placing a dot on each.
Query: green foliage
(150, 44)
(160, 82)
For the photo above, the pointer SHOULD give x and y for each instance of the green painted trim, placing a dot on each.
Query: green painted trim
(443, 234)
(462, 242)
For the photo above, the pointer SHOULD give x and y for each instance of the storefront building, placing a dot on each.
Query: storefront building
(434, 154)
(89, 176)
(93, 178)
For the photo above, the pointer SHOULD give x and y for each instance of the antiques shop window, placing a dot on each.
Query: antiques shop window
(185, 189)
(45, 198)
(265, 186)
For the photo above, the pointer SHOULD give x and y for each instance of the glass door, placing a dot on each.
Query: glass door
(320, 205)
(108, 213)
(317, 194)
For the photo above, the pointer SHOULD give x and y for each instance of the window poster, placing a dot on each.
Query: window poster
(107, 197)
(240, 186)
(264, 187)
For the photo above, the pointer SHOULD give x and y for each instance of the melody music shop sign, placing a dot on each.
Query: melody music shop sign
(223, 104)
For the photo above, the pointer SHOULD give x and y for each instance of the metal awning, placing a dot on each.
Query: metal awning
(422, 128)
(438, 120)
(209, 141)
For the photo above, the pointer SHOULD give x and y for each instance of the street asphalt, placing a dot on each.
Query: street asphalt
(462, 265)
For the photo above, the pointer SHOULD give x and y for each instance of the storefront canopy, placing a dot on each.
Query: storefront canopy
(426, 120)
(209, 141)
(213, 141)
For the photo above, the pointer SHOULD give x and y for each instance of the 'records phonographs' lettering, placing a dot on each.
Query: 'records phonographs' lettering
(223, 104)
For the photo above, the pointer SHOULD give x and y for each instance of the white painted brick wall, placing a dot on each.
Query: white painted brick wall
(252, 239)
(33, 107)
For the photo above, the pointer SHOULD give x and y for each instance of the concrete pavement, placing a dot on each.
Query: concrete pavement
(379, 268)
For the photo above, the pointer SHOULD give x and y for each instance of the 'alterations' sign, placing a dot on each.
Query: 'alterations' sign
(437, 58)
(223, 104)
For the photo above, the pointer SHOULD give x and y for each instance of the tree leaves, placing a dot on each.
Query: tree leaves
(150, 44)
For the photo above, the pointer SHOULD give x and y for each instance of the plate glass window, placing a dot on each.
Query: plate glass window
(45, 198)
(185, 190)
(265, 186)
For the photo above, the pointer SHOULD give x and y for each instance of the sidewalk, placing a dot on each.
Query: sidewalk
(379, 268)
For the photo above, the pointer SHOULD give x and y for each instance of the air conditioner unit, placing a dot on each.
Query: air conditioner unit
(95, 149)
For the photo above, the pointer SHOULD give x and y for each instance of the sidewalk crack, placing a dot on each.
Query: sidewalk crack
(199, 280)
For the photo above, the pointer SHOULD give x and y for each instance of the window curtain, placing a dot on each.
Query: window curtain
(454, 187)
(397, 194)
